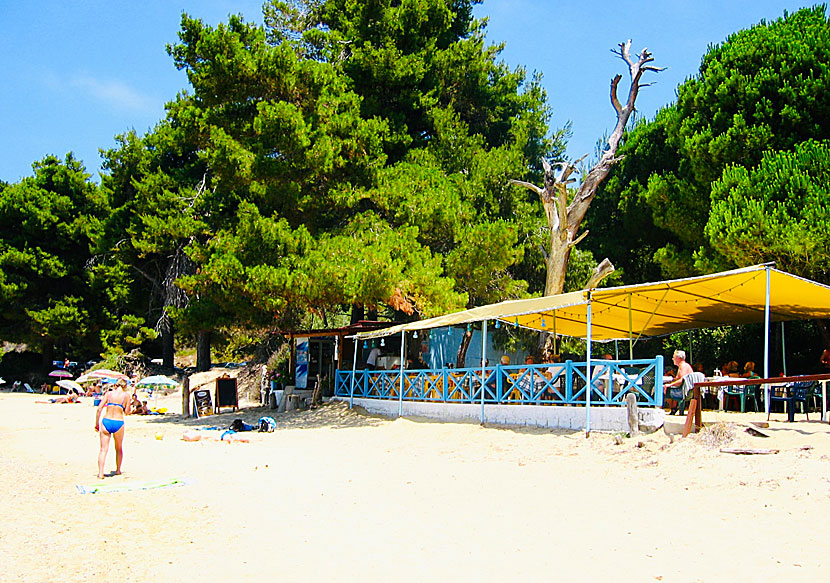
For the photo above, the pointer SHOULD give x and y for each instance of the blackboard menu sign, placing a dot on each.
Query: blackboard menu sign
(202, 402)
(226, 395)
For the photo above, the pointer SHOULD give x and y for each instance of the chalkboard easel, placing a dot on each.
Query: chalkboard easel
(226, 395)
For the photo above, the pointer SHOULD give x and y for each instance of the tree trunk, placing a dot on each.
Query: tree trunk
(168, 348)
(186, 397)
(825, 335)
(557, 264)
(203, 339)
(47, 356)
(358, 313)
(564, 219)
(461, 359)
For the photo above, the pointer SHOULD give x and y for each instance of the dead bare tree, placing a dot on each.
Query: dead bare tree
(564, 220)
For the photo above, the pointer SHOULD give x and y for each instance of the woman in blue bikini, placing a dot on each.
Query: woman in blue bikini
(109, 422)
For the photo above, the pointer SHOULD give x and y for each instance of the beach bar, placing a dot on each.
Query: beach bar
(551, 394)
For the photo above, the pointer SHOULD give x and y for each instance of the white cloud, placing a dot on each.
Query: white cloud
(116, 94)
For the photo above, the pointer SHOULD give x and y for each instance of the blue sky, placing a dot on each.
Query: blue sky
(77, 74)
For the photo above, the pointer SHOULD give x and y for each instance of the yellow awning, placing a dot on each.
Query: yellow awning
(653, 309)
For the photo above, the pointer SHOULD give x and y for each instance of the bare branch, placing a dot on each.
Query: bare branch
(538, 190)
(600, 272)
(614, 99)
(576, 241)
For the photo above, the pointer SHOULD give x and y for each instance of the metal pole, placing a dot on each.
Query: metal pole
(354, 367)
(588, 375)
(766, 346)
(783, 351)
(400, 396)
(630, 332)
(555, 349)
(691, 359)
(483, 364)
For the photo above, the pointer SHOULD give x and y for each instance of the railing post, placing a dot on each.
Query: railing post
(658, 380)
(569, 381)
(354, 367)
(498, 383)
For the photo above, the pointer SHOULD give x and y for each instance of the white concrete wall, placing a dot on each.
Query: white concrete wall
(613, 419)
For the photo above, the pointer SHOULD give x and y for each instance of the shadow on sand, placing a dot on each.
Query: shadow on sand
(331, 415)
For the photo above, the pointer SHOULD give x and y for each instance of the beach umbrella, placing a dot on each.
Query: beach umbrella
(157, 381)
(85, 378)
(104, 373)
(61, 373)
(71, 386)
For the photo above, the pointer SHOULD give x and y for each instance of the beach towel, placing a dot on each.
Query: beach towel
(130, 486)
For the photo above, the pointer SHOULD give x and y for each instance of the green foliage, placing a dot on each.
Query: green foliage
(346, 153)
(128, 334)
(776, 211)
(376, 176)
(759, 93)
(49, 293)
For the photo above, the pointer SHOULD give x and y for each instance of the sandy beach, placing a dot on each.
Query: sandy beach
(335, 494)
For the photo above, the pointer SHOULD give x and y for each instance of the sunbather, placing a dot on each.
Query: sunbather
(70, 398)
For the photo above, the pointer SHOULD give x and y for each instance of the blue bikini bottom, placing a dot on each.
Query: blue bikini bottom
(112, 425)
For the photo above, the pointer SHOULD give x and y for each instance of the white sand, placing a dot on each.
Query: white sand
(338, 495)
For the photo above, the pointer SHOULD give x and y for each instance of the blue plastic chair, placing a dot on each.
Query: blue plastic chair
(797, 392)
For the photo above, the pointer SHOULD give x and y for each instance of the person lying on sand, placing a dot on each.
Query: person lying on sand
(70, 398)
(226, 437)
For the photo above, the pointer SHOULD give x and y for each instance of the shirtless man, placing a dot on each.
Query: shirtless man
(683, 368)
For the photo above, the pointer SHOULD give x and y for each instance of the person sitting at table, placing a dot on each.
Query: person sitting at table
(730, 369)
(556, 373)
(683, 368)
(600, 373)
(698, 367)
(749, 371)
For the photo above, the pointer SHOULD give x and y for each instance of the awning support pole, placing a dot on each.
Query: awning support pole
(630, 331)
(555, 349)
(588, 375)
(354, 367)
(766, 345)
(400, 392)
(784, 351)
(483, 364)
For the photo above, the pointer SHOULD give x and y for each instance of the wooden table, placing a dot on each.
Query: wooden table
(768, 382)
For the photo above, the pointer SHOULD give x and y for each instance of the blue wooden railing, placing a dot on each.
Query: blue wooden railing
(538, 384)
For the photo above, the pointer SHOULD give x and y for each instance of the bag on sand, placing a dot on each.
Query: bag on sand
(267, 424)
(239, 425)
